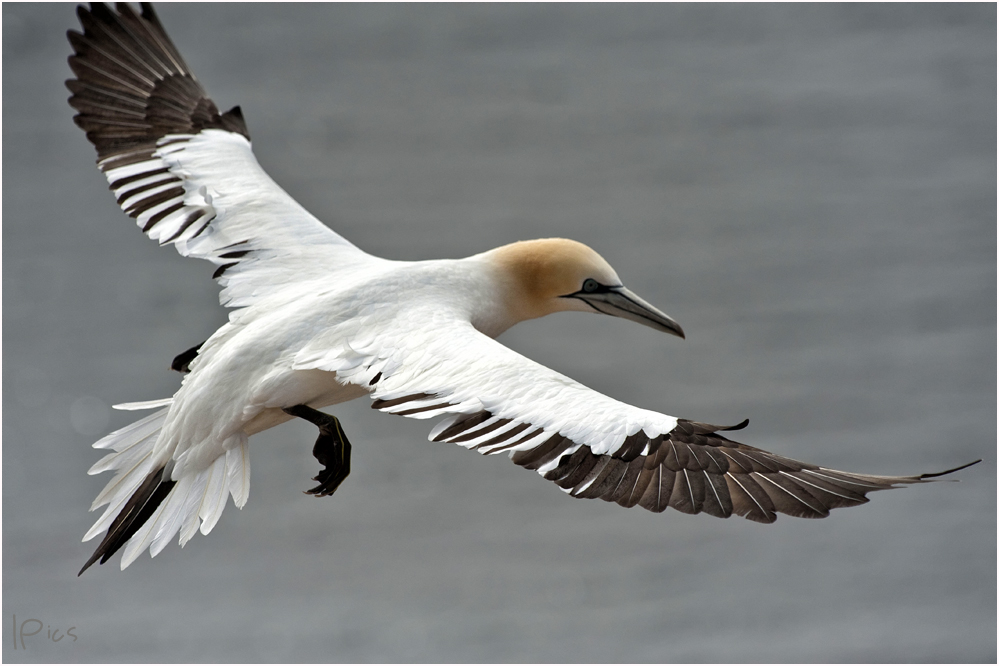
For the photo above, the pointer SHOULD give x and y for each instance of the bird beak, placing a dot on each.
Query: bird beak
(624, 303)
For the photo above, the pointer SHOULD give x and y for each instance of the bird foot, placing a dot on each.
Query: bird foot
(332, 449)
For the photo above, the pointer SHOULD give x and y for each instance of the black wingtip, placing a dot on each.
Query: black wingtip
(949, 471)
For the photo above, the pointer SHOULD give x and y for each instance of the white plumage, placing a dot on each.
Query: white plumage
(316, 321)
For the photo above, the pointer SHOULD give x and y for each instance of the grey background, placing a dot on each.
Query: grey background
(809, 190)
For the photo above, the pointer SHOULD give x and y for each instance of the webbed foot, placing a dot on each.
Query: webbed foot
(332, 449)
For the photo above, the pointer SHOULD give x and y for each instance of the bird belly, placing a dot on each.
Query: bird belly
(315, 388)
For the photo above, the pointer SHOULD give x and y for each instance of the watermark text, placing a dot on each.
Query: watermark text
(31, 628)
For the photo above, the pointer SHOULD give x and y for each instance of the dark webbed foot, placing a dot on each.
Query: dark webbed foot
(332, 449)
(182, 362)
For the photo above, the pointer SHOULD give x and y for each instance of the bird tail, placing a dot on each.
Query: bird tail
(146, 506)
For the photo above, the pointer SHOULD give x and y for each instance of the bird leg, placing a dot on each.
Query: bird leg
(182, 362)
(332, 449)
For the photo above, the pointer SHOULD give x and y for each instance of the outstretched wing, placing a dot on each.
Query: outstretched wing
(589, 444)
(184, 171)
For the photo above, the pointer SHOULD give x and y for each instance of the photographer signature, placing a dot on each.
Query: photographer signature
(33, 627)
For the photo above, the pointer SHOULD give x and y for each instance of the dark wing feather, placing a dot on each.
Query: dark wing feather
(693, 469)
(133, 87)
(588, 444)
(182, 169)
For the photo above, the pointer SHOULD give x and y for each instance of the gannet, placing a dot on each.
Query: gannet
(316, 321)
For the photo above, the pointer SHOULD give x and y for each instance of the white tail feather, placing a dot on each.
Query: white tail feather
(128, 436)
(238, 463)
(197, 499)
(141, 539)
(215, 496)
(106, 518)
(148, 404)
(124, 459)
(125, 482)
(192, 505)
(171, 518)
(133, 445)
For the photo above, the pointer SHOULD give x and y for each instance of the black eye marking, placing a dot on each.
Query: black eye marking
(590, 288)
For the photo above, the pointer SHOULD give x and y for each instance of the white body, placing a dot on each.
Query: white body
(316, 321)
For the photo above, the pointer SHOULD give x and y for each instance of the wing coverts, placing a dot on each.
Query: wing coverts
(182, 169)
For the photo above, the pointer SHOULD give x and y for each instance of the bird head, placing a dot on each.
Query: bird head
(556, 274)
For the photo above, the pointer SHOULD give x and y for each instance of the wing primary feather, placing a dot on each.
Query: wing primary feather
(847, 497)
(792, 507)
(741, 494)
(840, 478)
(949, 471)
(652, 498)
(721, 506)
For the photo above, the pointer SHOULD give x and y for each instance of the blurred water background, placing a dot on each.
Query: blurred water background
(809, 190)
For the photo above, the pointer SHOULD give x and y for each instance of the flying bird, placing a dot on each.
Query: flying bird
(316, 321)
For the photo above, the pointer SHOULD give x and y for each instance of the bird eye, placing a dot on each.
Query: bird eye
(590, 285)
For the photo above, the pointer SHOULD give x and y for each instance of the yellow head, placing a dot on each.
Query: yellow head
(556, 274)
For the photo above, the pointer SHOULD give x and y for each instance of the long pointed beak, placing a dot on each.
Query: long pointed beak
(623, 302)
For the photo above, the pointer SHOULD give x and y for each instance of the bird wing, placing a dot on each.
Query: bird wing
(184, 171)
(589, 444)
